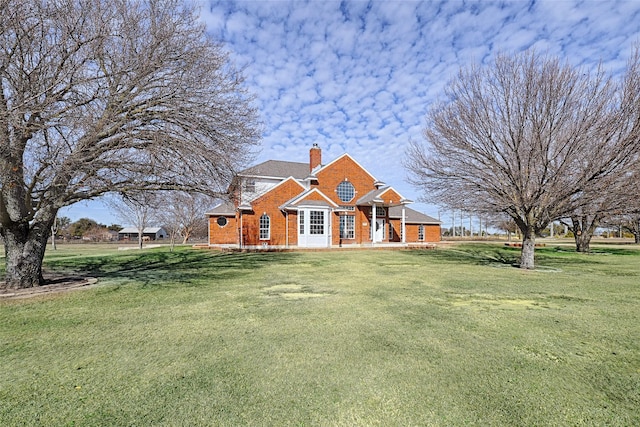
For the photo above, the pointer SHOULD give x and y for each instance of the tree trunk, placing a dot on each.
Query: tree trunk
(527, 255)
(24, 250)
(186, 234)
(583, 229)
(583, 241)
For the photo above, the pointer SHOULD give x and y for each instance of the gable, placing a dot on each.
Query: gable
(346, 163)
(313, 197)
(344, 168)
(387, 195)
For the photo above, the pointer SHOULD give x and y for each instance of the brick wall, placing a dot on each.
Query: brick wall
(269, 203)
(345, 167)
(224, 235)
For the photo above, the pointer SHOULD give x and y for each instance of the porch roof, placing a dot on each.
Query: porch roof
(375, 196)
(224, 209)
(411, 216)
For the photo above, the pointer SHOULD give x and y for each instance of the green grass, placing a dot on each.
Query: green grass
(441, 337)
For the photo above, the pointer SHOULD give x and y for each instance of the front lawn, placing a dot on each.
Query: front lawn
(441, 337)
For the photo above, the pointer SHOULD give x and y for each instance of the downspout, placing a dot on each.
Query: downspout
(240, 242)
(286, 232)
(404, 228)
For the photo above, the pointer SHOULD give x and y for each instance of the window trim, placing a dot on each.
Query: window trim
(264, 227)
(344, 229)
(301, 215)
(421, 233)
(317, 228)
(343, 185)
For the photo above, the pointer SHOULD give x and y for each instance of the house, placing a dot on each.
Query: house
(148, 233)
(279, 204)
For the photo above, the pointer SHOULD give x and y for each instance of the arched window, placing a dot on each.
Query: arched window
(346, 191)
(265, 227)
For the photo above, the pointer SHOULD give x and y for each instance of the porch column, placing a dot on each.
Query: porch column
(373, 224)
(404, 230)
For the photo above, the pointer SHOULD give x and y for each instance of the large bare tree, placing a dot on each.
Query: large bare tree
(528, 136)
(106, 96)
(616, 190)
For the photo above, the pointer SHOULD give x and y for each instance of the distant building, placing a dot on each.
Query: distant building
(287, 204)
(149, 233)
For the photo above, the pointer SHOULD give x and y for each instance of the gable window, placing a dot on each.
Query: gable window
(347, 227)
(265, 227)
(222, 221)
(346, 191)
(421, 232)
(250, 186)
(316, 222)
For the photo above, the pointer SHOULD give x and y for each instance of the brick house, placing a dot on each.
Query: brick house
(278, 204)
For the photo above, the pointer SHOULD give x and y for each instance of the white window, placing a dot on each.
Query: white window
(348, 208)
(347, 227)
(346, 191)
(301, 216)
(265, 227)
(250, 186)
(316, 222)
(421, 232)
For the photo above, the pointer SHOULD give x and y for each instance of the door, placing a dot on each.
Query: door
(313, 228)
(378, 233)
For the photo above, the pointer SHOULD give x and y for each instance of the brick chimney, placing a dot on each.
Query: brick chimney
(315, 157)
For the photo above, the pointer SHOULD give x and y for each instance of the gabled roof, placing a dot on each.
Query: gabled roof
(224, 208)
(322, 167)
(411, 216)
(302, 199)
(375, 196)
(277, 169)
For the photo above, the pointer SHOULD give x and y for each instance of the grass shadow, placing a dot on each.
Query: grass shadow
(473, 254)
(483, 254)
(159, 267)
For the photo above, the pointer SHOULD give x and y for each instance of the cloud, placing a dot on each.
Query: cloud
(359, 77)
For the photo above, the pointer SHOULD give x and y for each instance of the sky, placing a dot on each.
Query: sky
(358, 77)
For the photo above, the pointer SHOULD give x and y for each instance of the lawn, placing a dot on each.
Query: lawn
(439, 337)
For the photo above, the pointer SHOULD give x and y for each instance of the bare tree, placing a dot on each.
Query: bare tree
(525, 137)
(109, 96)
(137, 209)
(184, 212)
(610, 193)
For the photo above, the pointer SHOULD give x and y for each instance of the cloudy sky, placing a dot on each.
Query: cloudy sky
(358, 77)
